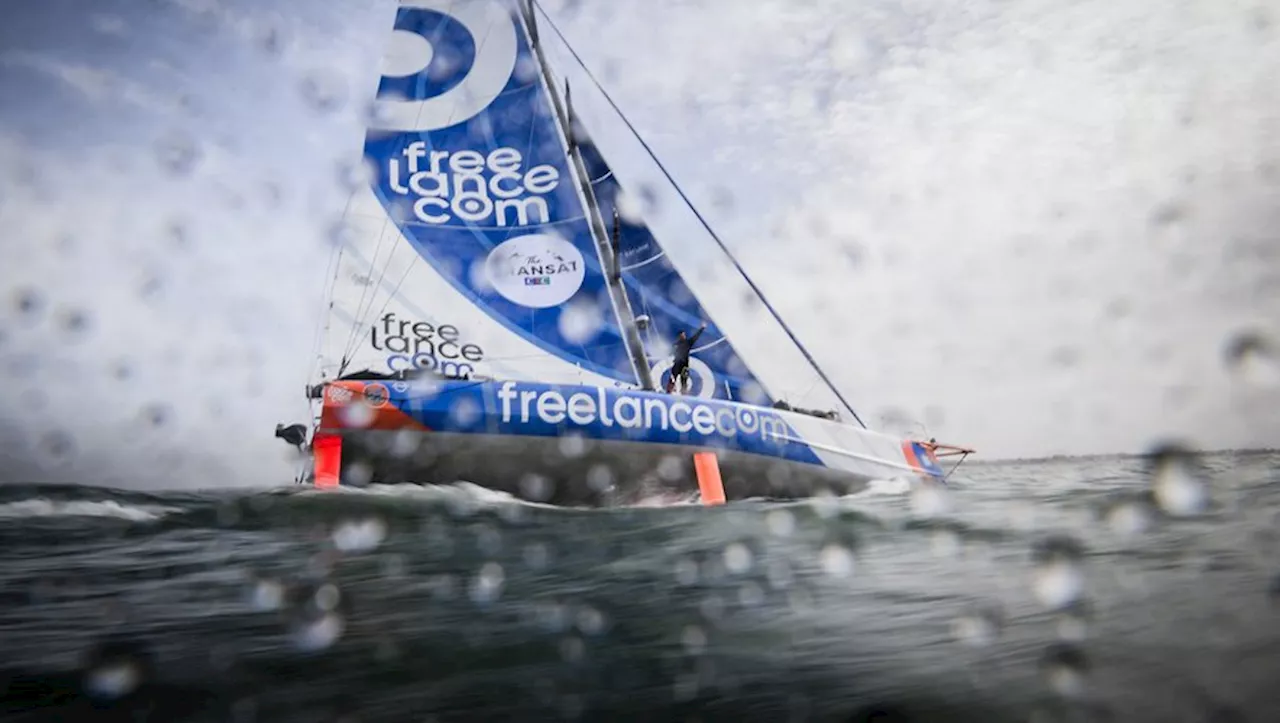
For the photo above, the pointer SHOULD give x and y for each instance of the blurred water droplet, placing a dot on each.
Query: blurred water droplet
(114, 679)
(356, 414)
(580, 321)
(327, 597)
(266, 596)
(978, 628)
(324, 89)
(536, 488)
(354, 175)
(572, 446)
(74, 321)
(357, 474)
(781, 523)
(929, 498)
(177, 153)
(272, 40)
(28, 303)
(600, 477)
(1168, 214)
(591, 621)
(56, 446)
(1057, 580)
(1130, 518)
(1251, 359)
(487, 585)
(737, 558)
(694, 639)
(356, 536)
(836, 560)
(1065, 668)
(155, 415)
(318, 634)
(1177, 480)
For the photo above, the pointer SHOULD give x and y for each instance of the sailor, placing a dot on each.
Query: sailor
(680, 366)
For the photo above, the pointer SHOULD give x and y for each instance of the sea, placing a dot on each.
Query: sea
(1129, 589)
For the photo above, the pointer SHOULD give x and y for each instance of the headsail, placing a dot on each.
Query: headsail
(470, 252)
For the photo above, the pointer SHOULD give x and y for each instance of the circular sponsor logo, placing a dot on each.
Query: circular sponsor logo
(702, 382)
(461, 87)
(376, 394)
(538, 270)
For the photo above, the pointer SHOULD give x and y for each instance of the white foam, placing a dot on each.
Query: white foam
(41, 507)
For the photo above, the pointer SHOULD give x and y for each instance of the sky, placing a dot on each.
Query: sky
(1034, 227)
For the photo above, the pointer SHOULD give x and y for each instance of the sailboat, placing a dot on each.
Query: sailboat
(497, 316)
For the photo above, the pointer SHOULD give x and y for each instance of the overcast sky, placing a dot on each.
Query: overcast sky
(1034, 226)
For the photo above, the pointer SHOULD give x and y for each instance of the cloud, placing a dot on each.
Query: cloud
(97, 84)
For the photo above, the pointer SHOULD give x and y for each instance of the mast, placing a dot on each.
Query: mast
(604, 249)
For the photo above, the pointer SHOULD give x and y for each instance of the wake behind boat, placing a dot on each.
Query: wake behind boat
(482, 321)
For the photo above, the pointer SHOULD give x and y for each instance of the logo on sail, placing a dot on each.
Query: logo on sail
(538, 270)
(486, 26)
(469, 187)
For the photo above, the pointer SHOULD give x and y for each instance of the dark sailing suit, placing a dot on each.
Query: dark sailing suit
(680, 366)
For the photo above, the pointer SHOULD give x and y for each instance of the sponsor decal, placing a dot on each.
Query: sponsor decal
(472, 188)
(376, 394)
(423, 345)
(523, 405)
(339, 395)
(537, 270)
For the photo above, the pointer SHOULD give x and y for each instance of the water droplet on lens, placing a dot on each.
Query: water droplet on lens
(836, 560)
(324, 89)
(74, 321)
(536, 488)
(580, 321)
(56, 446)
(113, 680)
(178, 153)
(1065, 669)
(979, 627)
(694, 639)
(318, 634)
(1251, 359)
(1130, 517)
(28, 303)
(487, 585)
(929, 498)
(1178, 480)
(356, 414)
(781, 523)
(354, 175)
(1058, 579)
(359, 535)
(155, 415)
(267, 596)
(737, 558)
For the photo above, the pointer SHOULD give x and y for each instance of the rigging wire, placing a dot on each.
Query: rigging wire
(732, 259)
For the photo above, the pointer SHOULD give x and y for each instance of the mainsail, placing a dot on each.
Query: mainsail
(471, 250)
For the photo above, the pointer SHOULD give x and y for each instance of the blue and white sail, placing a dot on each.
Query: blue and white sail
(470, 251)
